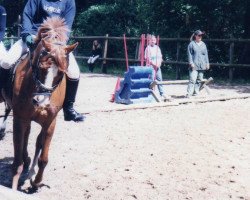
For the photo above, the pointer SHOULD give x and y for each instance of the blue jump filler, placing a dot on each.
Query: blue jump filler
(135, 88)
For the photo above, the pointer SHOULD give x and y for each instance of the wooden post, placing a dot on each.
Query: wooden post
(178, 47)
(137, 54)
(125, 50)
(231, 56)
(105, 50)
(142, 49)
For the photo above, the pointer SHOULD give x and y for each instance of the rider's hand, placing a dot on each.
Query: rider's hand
(29, 41)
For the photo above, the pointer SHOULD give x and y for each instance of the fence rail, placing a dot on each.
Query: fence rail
(165, 62)
(163, 39)
(231, 42)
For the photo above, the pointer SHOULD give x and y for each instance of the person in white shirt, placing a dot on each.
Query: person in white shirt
(153, 58)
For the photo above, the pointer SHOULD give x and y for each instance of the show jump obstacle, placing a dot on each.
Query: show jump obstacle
(135, 88)
(138, 84)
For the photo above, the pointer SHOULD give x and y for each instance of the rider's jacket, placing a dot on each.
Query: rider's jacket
(36, 11)
(2, 22)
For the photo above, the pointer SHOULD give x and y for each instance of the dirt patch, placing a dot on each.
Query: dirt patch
(194, 151)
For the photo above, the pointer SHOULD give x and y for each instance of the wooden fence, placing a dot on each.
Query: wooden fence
(231, 65)
(231, 41)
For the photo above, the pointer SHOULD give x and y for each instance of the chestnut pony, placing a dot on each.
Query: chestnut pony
(38, 95)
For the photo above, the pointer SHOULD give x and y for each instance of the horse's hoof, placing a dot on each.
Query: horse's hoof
(34, 185)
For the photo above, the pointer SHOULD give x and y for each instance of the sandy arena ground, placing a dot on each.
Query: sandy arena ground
(194, 151)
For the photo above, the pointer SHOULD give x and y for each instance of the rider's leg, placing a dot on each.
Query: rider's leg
(72, 82)
(13, 54)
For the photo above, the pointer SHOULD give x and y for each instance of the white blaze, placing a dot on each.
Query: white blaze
(43, 100)
(52, 73)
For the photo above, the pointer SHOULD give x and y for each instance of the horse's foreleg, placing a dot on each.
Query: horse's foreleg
(43, 159)
(37, 152)
(26, 158)
(19, 129)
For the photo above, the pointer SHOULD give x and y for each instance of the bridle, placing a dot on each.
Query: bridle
(42, 89)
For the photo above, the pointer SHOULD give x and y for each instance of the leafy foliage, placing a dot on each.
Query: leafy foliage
(170, 18)
(219, 18)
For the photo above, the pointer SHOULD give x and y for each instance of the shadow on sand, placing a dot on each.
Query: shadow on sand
(6, 176)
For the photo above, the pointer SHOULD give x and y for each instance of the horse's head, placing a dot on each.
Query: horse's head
(50, 61)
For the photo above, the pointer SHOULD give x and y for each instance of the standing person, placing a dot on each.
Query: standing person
(153, 58)
(35, 12)
(96, 53)
(198, 62)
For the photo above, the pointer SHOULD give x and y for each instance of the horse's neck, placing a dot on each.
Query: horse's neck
(24, 83)
(23, 56)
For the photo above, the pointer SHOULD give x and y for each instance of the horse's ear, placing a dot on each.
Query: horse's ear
(46, 45)
(71, 48)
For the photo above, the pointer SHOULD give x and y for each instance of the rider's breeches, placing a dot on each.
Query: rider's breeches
(13, 54)
(73, 69)
(8, 58)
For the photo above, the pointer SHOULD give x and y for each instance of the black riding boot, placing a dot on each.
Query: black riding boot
(69, 112)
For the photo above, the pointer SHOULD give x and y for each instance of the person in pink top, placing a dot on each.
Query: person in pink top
(153, 58)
